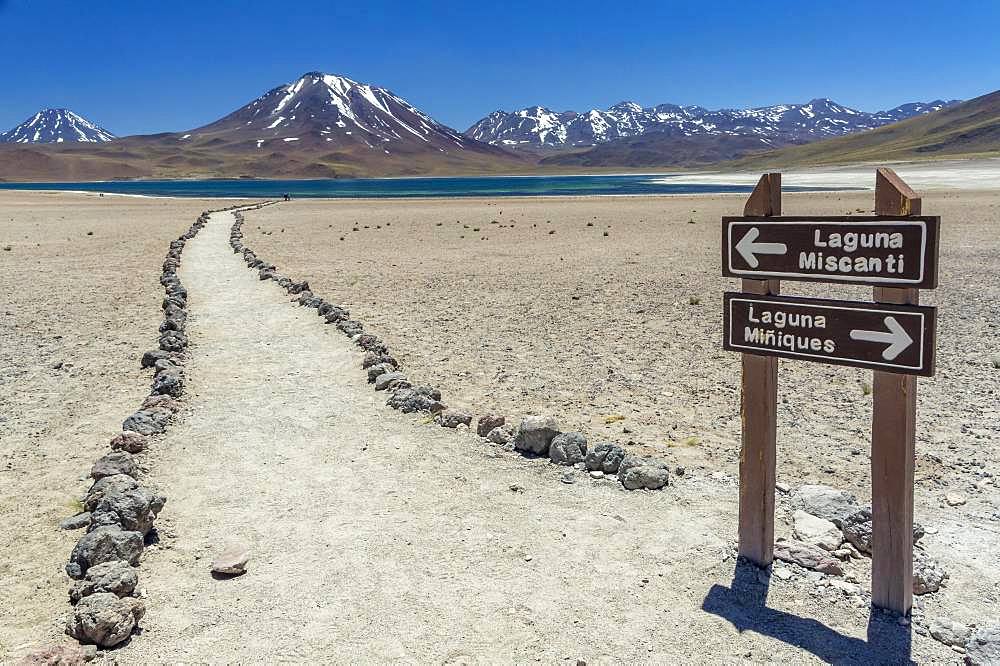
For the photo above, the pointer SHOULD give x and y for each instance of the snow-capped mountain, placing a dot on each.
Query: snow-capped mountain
(539, 127)
(56, 126)
(334, 112)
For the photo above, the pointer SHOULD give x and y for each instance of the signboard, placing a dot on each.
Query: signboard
(891, 338)
(881, 251)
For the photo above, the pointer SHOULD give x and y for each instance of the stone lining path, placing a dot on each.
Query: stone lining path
(378, 536)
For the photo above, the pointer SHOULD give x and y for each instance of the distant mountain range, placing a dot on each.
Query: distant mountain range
(318, 126)
(538, 127)
(56, 126)
(329, 126)
(966, 130)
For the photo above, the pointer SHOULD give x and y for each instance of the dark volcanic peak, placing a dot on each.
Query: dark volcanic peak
(539, 127)
(331, 110)
(56, 126)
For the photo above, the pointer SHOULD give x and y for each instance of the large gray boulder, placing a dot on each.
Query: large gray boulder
(168, 383)
(104, 544)
(104, 619)
(605, 457)
(118, 483)
(132, 510)
(418, 399)
(535, 434)
(568, 448)
(150, 358)
(110, 464)
(825, 502)
(118, 578)
(983, 647)
(146, 422)
(636, 473)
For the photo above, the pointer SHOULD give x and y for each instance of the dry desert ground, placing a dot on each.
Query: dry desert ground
(381, 536)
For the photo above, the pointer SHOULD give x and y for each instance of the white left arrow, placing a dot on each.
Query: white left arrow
(896, 337)
(750, 249)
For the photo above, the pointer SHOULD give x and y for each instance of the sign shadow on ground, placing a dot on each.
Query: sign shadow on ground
(744, 604)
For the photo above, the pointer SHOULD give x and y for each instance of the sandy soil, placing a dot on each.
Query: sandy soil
(76, 313)
(379, 536)
(519, 320)
(551, 316)
(376, 534)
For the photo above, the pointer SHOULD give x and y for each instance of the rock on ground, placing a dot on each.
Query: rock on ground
(57, 655)
(499, 435)
(605, 457)
(488, 423)
(857, 529)
(388, 380)
(117, 483)
(419, 399)
(134, 509)
(128, 441)
(636, 473)
(116, 462)
(808, 556)
(118, 578)
(453, 418)
(816, 531)
(928, 574)
(950, 632)
(232, 561)
(983, 647)
(104, 544)
(104, 619)
(825, 502)
(568, 448)
(535, 433)
(145, 422)
(76, 522)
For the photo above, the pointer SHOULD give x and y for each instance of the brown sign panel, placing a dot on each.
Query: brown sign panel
(891, 338)
(881, 251)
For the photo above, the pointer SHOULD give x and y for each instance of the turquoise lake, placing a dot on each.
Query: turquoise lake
(500, 186)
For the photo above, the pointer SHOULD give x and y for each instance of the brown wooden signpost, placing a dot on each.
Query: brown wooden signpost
(896, 251)
(891, 338)
(875, 250)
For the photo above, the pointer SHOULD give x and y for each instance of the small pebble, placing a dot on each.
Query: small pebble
(954, 499)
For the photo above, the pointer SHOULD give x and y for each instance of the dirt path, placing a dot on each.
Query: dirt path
(376, 536)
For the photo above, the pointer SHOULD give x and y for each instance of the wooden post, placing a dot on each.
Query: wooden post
(894, 399)
(758, 409)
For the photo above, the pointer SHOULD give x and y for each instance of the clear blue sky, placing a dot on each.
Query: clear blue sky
(144, 67)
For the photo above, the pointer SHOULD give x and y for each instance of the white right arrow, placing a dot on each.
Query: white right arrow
(749, 249)
(897, 338)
